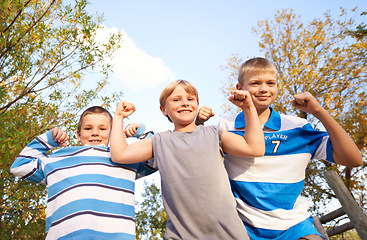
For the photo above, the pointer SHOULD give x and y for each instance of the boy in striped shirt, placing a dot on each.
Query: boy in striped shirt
(89, 196)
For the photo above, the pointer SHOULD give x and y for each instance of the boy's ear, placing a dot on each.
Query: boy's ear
(163, 110)
(239, 86)
(78, 135)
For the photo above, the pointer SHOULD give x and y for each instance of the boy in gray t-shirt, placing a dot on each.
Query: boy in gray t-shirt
(195, 187)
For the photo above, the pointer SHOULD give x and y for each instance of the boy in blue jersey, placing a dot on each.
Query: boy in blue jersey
(267, 189)
(89, 196)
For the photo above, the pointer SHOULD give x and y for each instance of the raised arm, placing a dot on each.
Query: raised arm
(28, 163)
(121, 152)
(253, 143)
(60, 137)
(204, 114)
(345, 151)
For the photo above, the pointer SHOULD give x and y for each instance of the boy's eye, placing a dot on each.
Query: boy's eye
(87, 128)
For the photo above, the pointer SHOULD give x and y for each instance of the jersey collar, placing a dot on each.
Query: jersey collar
(273, 122)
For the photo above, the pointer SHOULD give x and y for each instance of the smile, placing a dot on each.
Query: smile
(263, 97)
(184, 111)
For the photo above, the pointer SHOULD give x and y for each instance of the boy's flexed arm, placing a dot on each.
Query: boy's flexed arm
(253, 143)
(345, 151)
(28, 163)
(121, 152)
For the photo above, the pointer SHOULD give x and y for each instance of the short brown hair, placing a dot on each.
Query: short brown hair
(255, 66)
(94, 110)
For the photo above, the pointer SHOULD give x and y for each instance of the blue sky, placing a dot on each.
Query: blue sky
(191, 40)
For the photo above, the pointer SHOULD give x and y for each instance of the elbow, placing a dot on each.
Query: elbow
(260, 153)
(356, 159)
(351, 162)
(122, 159)
(115, 160)
(118, 160)
(352, 165)
(12, 171)
(356, 163)
(255, 153)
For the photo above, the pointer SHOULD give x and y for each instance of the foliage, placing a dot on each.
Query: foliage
(320, 57)
(45, 49)
(361, 30)
(151, 217)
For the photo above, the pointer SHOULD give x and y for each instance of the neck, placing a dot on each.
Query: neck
(185, 128)
(264, 115)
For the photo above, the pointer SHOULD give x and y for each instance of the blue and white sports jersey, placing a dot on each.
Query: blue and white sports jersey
(89, 196)
(267, 189)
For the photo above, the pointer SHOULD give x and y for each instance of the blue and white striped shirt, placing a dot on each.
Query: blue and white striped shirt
(89, 196)
(267, 189)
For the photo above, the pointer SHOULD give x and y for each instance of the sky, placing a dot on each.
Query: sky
(169, 40)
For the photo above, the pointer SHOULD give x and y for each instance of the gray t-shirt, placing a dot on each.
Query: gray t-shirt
(195, 185)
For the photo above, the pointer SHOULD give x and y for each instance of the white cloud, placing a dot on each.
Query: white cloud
(134, 67)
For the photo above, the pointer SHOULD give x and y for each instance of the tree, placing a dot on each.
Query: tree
(151, 217)
(324, 59)
(45, 50)
(361, 30)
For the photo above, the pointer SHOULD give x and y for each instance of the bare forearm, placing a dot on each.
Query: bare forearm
(254, 135)
(345, 151)
(117, 139)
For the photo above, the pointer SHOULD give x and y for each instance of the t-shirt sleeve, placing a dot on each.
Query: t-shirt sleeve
(318, 143)
(152, 163)
(220, 132)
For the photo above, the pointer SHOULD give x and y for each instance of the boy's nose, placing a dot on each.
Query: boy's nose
(95, 132)
(263, 87)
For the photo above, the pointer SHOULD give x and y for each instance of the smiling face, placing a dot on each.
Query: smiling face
(181, 107)
(263, 89)
(95, 129)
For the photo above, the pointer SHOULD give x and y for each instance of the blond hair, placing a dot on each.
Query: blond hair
(167, 91)
(255, 66)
